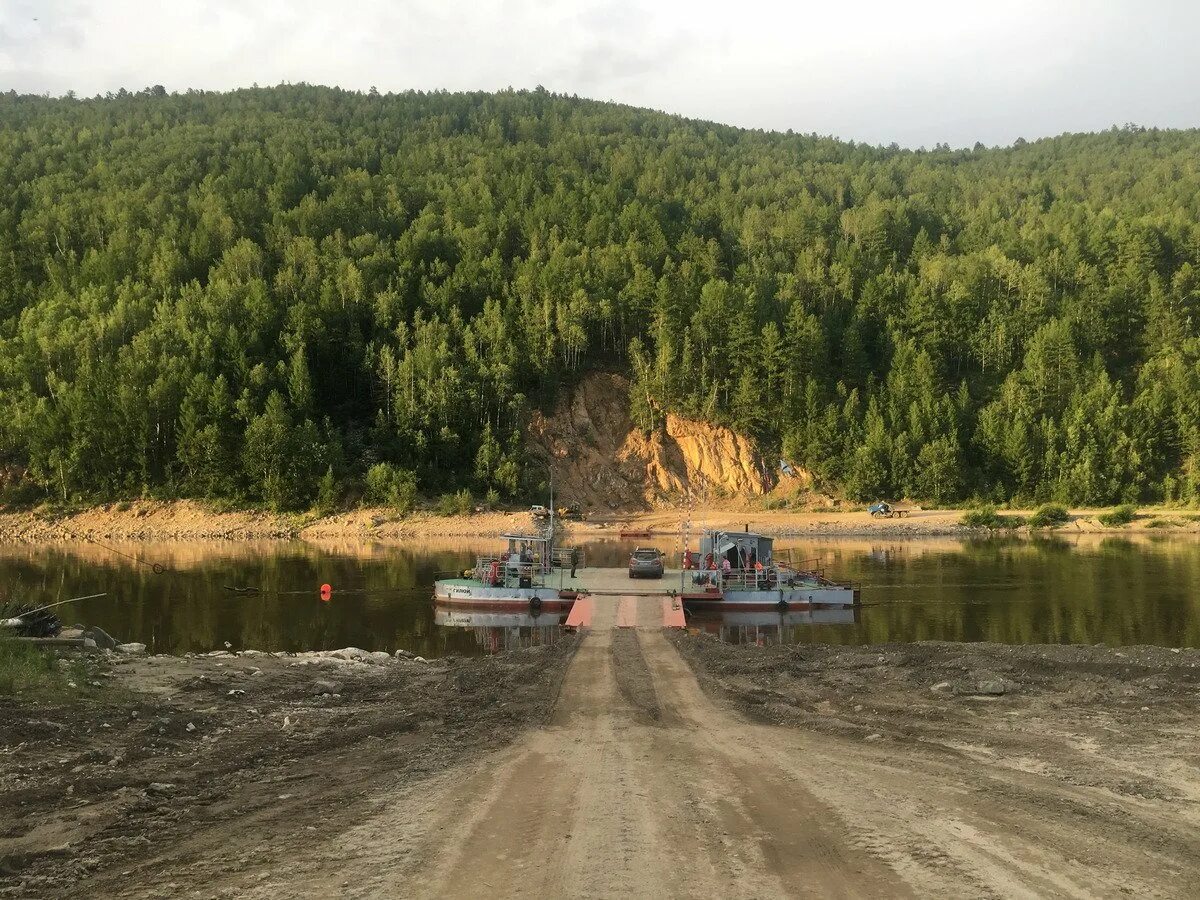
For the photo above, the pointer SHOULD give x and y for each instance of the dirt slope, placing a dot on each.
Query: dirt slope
(644, 786)
(602, 461)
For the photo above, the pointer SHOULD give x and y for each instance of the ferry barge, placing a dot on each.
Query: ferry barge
(734, 570)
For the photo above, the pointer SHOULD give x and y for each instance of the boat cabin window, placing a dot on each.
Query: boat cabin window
(743, 550)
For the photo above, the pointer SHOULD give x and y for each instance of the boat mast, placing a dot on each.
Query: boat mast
(548, 563)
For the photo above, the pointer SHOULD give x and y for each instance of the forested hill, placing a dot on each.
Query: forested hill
(263, 294)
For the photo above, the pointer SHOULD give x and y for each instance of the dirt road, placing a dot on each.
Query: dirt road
(642, 785)
(638, 786)
(661, 764)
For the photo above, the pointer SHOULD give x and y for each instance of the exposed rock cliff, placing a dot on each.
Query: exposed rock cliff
(602, 460)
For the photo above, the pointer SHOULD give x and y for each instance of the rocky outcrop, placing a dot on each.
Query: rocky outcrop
(601, 460)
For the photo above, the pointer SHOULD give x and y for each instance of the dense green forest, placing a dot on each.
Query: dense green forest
(261, 296)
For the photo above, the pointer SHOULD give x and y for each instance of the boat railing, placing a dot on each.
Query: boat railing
(483, 567)
(819, 576)
(772, 578)
(751, 579)
(784, 559)
(501, 571)
(566, 558)
(855, 586)
(741, 580)
(804, 571)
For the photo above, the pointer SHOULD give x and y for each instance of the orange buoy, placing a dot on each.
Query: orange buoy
(326, 592)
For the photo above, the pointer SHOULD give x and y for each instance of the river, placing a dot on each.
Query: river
(265, 595)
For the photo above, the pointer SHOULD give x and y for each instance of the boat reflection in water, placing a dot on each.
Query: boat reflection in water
(496, 632)
(762, 628)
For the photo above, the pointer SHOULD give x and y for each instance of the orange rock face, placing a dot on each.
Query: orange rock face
(602, 460)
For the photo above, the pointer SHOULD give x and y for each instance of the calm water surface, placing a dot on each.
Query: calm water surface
(1086, 590)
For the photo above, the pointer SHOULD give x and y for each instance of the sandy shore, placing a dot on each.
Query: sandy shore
(186, 520)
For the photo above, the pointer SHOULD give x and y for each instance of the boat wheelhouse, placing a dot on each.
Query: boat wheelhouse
(518, 578)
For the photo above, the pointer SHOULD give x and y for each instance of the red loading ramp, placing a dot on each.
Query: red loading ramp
(672, 608)
(581, 613)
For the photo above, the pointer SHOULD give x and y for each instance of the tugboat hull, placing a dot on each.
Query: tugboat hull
(822, 597)
(460, 593)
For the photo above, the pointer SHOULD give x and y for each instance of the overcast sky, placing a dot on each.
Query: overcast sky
(917, 72)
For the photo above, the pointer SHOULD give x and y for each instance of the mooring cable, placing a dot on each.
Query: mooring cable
(156, 568)
(950, 602)
(15, 621)
(60, 603)
(253, 591)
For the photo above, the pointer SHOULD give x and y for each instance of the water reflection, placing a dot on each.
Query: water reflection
(380, 600)
(763, 628)
(497, 631)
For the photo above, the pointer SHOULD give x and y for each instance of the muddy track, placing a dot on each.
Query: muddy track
(634, 680)
(608, 799)
(838, 774)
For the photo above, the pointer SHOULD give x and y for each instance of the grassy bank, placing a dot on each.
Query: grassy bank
(30, 670)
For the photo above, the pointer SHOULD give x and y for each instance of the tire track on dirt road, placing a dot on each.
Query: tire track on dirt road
(619, 794)
(641, 785)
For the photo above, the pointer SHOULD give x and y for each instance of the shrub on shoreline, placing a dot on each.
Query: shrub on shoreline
(457, 504)
(392, 486)
(1121, 515)
(1049, 515)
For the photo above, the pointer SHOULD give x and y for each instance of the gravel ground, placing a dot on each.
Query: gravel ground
(205, 766)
